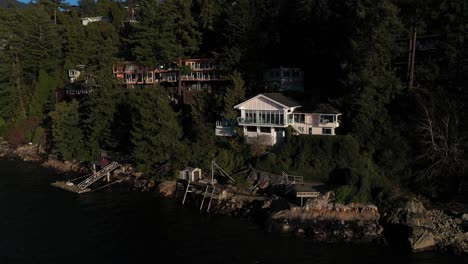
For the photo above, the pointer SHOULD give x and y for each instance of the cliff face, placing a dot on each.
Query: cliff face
(324, 220)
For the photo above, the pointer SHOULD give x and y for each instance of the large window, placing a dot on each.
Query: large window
(264, 117)
(326, 131)
(251, 129)
(265, 129)
(298, 118)
(327, 118)
(149, 77)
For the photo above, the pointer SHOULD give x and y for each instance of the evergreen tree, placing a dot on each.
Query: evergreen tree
(374, 85)
(40, 42)
(42, 94)
(166, 32)
(12, 90)
(74, 41)
(234, 95)
(102, 45)
(87, 8)
(66, 132)
(155, 133)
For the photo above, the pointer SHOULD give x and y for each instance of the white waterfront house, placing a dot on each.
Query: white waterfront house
(263, 119)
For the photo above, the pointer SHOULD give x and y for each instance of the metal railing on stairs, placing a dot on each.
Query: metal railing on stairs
(98, 175)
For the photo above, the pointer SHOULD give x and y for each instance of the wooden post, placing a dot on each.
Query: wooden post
(204, 196)
(411, 57)
(209, 204)
(108, 176)
(186, 191)
(94, 168)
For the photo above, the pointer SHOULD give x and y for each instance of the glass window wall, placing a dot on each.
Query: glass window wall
(264, 117)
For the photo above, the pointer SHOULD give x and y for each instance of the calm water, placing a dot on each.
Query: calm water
(41, 224)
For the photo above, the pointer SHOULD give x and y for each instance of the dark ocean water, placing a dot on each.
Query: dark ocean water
(41, 224)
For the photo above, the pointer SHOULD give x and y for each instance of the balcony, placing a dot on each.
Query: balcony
(259, 122)
(329, 124)
(226, 128)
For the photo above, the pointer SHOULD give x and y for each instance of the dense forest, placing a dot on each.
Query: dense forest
(395, 133)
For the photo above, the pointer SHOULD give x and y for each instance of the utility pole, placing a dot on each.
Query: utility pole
(180, 61)
(411, 57)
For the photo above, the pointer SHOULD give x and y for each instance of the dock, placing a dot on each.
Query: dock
(206, 190)
(69, 186)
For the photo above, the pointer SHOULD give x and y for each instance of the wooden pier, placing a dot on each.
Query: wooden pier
(69, 186)
(207, 190)
(303, 189)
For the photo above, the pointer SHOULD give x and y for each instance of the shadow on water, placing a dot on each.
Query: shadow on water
(41, 224)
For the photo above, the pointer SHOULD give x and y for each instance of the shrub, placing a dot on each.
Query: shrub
(2, 127)
(38, 132)
(21, 132)
(344, 194)
(317, 157)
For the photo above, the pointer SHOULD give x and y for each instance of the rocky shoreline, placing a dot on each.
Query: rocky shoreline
(408, 223)
(31, 153)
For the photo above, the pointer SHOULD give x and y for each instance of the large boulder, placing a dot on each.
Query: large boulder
(261, 182)
(421, 238)
(166, 189)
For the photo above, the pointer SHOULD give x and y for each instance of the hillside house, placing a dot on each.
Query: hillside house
(284, 79)
(196, 75)
(81, 83)
(264, 118)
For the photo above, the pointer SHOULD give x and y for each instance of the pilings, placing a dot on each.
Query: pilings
(205, 190)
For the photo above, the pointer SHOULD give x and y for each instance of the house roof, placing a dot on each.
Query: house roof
(191, 169)
(321, 109)
(281, 99)
(275, 97)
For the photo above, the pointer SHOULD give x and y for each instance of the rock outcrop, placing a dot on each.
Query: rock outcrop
(65, 166)
(324, 220)
(23, 152)
(6, 150)
(166, 189)
(421, 229)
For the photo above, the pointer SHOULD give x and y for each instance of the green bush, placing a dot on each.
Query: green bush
(316, 157)
(345, 194)
(2, 127)
(38, 132)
